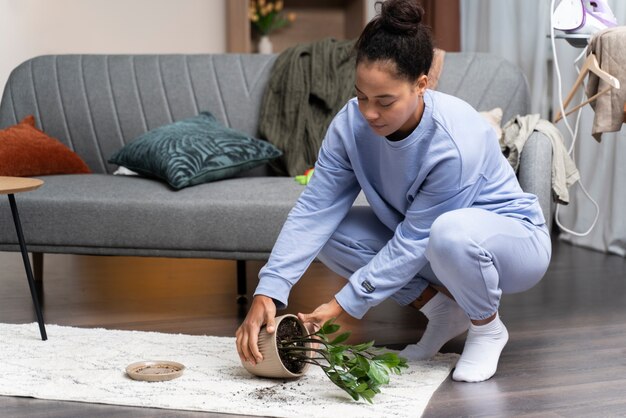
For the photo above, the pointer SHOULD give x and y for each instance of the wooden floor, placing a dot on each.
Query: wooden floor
(566, 355)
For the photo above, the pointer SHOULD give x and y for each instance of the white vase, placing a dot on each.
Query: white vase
(265, 45)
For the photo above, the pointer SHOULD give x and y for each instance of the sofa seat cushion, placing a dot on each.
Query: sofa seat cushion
(241, 215)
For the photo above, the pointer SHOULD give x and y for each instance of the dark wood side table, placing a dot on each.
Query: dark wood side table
(10, 186)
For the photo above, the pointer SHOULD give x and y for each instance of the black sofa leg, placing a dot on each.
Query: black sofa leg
(242, 291)
(38, 274)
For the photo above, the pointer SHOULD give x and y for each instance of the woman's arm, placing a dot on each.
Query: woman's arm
(320, 209)
(323, 204)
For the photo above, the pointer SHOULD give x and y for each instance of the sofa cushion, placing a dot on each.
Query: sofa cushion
(105, 214)
(193, 151)
(27, 151)
(108, 214)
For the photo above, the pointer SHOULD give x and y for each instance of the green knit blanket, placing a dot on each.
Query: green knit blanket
(309, 84)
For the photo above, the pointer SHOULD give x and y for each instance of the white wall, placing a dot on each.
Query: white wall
(34, 27)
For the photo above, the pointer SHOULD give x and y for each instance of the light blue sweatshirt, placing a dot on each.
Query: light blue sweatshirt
(451, 160)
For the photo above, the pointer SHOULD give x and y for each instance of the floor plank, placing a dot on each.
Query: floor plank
(566, 355)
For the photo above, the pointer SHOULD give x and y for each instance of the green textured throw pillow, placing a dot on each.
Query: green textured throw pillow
(193, 151)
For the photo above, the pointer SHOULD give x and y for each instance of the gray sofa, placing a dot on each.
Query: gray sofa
(96, 103)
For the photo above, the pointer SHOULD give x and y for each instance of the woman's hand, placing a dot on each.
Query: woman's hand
(262, 312)
(321, 314)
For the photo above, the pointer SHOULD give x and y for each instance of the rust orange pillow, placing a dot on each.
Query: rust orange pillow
(26, 151)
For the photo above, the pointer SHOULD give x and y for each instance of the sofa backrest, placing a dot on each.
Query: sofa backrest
(486, 81)
(96, 103)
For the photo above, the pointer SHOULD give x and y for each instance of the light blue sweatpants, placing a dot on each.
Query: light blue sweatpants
(476, 254)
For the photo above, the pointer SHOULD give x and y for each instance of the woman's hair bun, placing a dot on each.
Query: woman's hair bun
(397, 34)
(401, 16)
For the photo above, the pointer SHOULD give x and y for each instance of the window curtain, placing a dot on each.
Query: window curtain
(518, 31)
(515, 30)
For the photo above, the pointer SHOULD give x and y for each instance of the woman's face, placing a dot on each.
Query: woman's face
(392, 106)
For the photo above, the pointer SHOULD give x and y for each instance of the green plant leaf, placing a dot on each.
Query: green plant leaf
(364, 364)
(340, 338)
(336, 358)
(361, 388)
(358, 369)
(378, 372)
(368, 395)
(358, 372)
(363, 346)
(391, 360)
(388, 357)
(329, 327)
(336, 348)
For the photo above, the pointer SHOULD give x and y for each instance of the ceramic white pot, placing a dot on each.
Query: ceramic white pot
(265, 45)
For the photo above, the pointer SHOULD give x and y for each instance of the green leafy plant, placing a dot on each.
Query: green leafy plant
(359, 369)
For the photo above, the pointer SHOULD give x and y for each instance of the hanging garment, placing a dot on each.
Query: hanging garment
(608, 47)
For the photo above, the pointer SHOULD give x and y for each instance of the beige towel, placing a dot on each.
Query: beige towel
(609, 48)
(564, 171)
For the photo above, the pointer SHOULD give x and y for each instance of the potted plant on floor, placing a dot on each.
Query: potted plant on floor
(358, 369)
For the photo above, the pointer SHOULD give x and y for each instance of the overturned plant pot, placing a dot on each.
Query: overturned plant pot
(277, 363)
(358, 369)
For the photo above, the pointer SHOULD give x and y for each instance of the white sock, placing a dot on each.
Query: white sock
(446, 320)
(481, 353)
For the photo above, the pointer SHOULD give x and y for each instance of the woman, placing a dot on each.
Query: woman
(446, 210)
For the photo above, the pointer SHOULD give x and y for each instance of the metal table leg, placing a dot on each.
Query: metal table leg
(29, 272)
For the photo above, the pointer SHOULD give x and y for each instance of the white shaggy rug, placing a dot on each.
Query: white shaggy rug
(88, 365)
